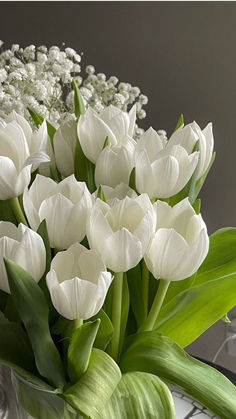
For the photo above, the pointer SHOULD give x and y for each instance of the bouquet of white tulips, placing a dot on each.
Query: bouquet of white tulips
(107, 270)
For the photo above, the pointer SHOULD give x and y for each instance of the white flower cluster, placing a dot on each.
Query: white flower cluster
(40, 78)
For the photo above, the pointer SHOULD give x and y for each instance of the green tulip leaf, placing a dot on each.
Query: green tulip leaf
(33, 311)
(193, 311)
(84, 168)
(140, 395)
(101, 194)
(91, 393)
(6, 212)
(221, 259)
(124, 312)
(156, 354)
(38, 120)
(180, 122)
(78, 100)
(80, 348)
(134, 279)
(105, 331)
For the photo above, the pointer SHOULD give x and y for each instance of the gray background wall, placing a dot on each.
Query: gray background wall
(181, 54)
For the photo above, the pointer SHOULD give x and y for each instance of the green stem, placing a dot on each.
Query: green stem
(145, 287)
(116, 314)
(16, 208)
(156, 306)
(78, 323)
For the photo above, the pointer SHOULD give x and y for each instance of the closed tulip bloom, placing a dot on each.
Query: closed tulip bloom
(162, 170)
(64, 205)
(65, 140)
(113, 123)
(121, 232)
(180, 243)
(25, 247)
(78, 282)
(188, 135)
(114, 165)
(16, 160)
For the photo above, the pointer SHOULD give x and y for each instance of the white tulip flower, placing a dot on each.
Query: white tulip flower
(162, 170)
(17, 157)
(188, 135)
(64, 205)
(114, 165)
(121, 233)
(180, 243)
(25, 247)
(78, 282)
(65, 140)
(114, 194)
(113, 123)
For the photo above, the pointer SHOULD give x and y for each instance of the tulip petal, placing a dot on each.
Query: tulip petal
(121, 251)
(207, 132)
(184, 136)
(92, 132)
(7, 249)
(57, 211)
(113, 168)
(36, 159)
(166, 256)
(14, 116)
(151, 142)
(8, 178)
(10, 230)
(31, 254)
(144, 179)
(91, 265)
(165, 174)
(98, 228)
(65, 140)
(145, 230)
(132, 120)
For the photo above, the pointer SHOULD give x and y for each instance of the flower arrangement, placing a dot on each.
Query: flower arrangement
(107, 269)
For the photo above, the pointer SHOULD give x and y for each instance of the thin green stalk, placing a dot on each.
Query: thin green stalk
(116, 314)
(16, 208)
(145, 287)
(156, 306)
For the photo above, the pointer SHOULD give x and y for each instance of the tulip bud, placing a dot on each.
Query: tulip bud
(180, 243)
(64, 146)
(78, 282)
(162, 170)
(121, 232)
(188, 136)
(94, 128)
(64, 205)
(25, 247)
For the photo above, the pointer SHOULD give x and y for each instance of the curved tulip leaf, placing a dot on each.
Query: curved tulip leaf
(180, 122)
(193, 311)
(84, 168)
(176, 287)
(78, 100)
(141, 396)
(91, 393)
(33, 310)
(221, 259)
(41, 402)
(80, 348)
(157, 354)
(132, 178)
(43, 232)
(6, 212)
(38, 120)
(124, 312)
(105, 331)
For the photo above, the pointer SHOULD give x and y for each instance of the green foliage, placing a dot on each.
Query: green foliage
(101, 194)
(80, 348)
(191, 312)
(152, 353)
(91, 393)
(105, 331)
(141, 396)
(84, 168)
(180, 122)
(33, 311)
(78, 100)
